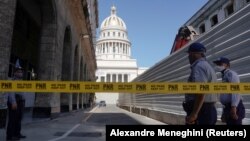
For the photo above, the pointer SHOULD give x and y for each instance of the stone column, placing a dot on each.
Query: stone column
(7, 17)
(48, 104)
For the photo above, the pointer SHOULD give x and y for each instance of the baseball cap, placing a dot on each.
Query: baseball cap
(196, 47)
(222, 60)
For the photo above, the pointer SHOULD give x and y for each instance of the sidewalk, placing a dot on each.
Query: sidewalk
(29, 121)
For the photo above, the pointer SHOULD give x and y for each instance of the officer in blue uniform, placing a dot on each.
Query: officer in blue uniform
(200, 108)
(16, 103)
(234, 110)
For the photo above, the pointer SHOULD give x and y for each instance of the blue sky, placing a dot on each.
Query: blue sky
(152, 24)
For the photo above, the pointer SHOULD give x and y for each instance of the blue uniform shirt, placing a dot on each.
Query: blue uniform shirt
(11, 95)
(230, 76)
(202, 71)
(11, 98)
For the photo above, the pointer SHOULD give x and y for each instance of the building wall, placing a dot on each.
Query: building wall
(62, 51)
(214, 7)
(116, 67)
(7, 12)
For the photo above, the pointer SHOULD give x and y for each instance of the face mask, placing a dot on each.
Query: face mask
(220, 68)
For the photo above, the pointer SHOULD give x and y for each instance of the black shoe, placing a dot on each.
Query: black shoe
(22, 136)
(13, 139)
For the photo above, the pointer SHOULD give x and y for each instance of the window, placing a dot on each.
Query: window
(108, 34)
(113, 49)
(114, 78)
(113, 33)
(202, 28)
(102, 79)
(108, 77)
(119, 34)
(229, 9)
(119, 78)
(214, 20)
(103, 34)
(125, 78)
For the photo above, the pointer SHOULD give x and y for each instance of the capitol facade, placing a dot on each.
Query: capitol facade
(113, 55)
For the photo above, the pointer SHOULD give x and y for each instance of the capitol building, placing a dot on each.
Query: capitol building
(113, 55)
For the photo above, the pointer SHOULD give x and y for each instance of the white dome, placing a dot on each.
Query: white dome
(113, 21)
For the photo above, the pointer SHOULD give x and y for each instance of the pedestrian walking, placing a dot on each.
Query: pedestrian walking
(233, 108)
(200, 108)
(16, 103)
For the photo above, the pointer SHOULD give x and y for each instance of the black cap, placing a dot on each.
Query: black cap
(222, 60)
(197, 47)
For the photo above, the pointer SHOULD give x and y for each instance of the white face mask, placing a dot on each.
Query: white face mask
(220, 68)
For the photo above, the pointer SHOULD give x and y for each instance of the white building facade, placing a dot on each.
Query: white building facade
(113, 54)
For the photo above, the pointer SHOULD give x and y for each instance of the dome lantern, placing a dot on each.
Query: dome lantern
(113, 10)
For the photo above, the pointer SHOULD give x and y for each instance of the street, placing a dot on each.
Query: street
(82, 125)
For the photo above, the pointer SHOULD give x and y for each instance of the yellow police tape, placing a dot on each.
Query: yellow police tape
(131, 87)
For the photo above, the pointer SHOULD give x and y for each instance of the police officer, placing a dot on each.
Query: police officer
(234, 110)
(15, 104)
(200, 108)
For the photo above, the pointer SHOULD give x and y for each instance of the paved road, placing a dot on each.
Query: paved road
(82, 125)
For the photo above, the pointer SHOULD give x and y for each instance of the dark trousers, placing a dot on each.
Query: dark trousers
(207, 114)
(240, 113)
(14, 120)
(3, 116)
